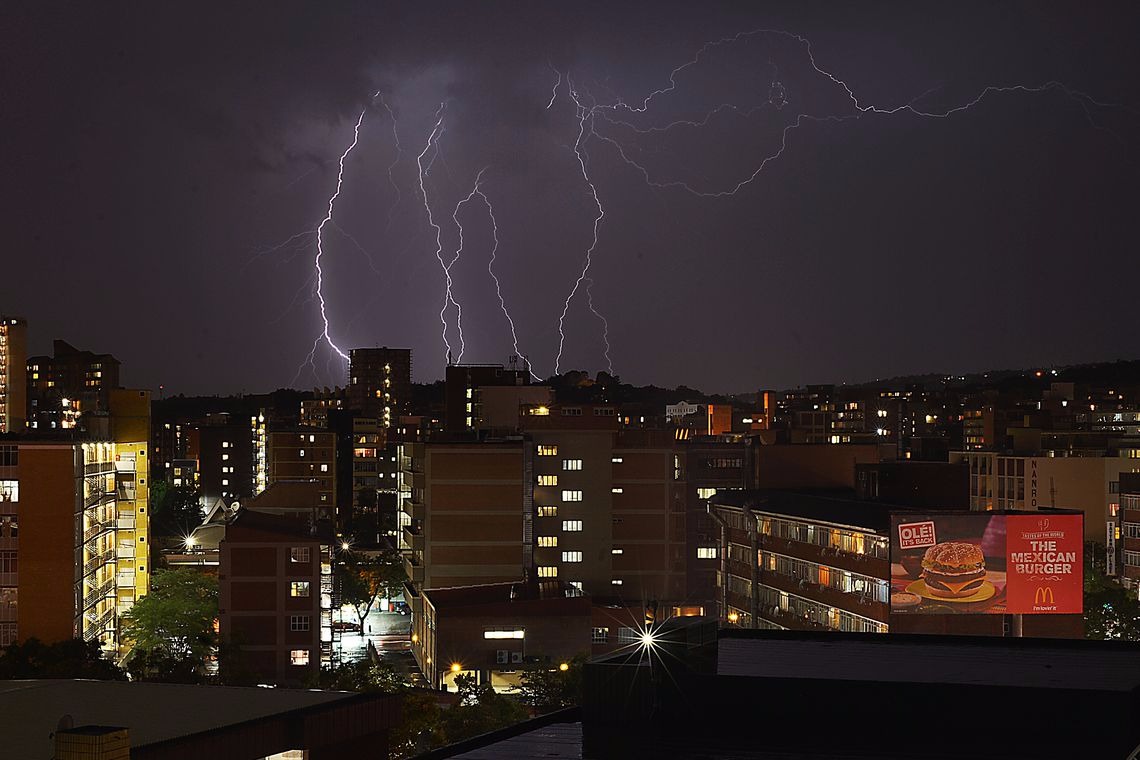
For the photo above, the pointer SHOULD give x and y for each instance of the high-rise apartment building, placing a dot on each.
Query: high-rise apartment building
(68, 384)
(13, 379)
(294, 454)
(380, 382)
(74, 529)
(464, 382)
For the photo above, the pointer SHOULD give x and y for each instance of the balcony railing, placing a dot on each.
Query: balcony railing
(98, 561)
(95, 594)
(93, 627)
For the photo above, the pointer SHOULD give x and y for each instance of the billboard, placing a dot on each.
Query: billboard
(987, 563)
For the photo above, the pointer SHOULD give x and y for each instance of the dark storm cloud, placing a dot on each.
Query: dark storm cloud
(151, 151)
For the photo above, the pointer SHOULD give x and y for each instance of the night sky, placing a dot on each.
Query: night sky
(155, 158)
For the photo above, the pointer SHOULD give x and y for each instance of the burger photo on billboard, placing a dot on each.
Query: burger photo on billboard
(953, 570)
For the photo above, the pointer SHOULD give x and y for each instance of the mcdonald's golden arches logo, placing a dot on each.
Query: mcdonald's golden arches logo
(1043, 595)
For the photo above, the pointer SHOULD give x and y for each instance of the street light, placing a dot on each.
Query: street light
(733, 617)
(564, 667)
(456, 667)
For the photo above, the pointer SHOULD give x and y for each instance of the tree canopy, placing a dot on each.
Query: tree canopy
(171, 629)
(74, 658)
(548, 689)
(1111, 611)
(364, 577)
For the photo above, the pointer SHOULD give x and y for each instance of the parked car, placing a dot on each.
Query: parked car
(346, 625)
(401, 607)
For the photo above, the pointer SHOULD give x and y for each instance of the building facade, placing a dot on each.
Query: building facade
(68, 384)
(276, 595)
(379, 382)
(13, 374)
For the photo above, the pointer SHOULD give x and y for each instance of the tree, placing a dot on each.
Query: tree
(171, 629)
(73, 658)
(364, 577)
(547, 690)
(479, 711)
(1111, 611)
(362, 675)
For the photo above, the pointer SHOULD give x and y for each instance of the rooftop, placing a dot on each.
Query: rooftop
(30, 711)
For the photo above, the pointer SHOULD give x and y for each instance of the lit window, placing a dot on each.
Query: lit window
(548, 451)
(571, 526)
(706, 552)
(225, 482)
(548, 541)
(301, 452)
(299, 554)
(548, 511)
(225, 457)
(548, 480)
(298, 622)
(571, 556)
(299, 656)
(600, 635)
(617, 551)
(517, 633)
(299, 589)
(616, 582)
(571, 496)
(545, 571)
(324, 468)
(571, 464)
(225, 444)
(616, 460)
(616, 490)
(706, 493)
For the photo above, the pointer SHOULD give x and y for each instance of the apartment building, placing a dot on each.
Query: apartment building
(13, 374)
(293, 454)
(379, 382)
(802, 561)
(276, 595)
(73, 535)
(462, 517)
(1127, 534)
(68, 384)
(1090, 484)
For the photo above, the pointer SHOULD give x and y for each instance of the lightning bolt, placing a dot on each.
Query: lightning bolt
(491, 271)
(458, 254)
(395, 161)
(583, 115)
(448, 298)
(554, 89)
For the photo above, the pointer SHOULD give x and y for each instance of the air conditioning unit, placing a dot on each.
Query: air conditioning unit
(516, 658)
(502, 656)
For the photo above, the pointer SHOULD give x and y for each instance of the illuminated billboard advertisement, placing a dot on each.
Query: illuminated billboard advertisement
(987, 563)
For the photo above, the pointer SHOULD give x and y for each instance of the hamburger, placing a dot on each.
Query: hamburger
(953, 570)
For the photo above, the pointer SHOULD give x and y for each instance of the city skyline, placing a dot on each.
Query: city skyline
(187, 153)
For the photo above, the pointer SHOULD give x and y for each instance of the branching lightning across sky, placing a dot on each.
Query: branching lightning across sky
(778, 97)
(623, 130)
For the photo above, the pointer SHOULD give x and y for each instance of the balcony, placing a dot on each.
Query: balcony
(837, 558)
(125, 580)
(414, 539)
(101, 591)
(125, 523)
(99, 468)
(125, 551)
(97, 527)
(857, 603)
(93, 627)
(98, 561)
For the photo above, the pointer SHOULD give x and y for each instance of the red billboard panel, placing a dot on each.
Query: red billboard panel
(986, 563)
(1044, 566)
